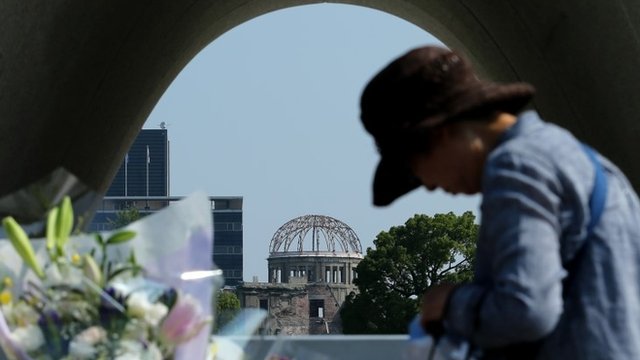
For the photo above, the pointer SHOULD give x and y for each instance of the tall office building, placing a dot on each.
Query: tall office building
(142, 182)
(145, 168)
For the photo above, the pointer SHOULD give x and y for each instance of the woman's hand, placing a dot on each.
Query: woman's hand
(434, 302)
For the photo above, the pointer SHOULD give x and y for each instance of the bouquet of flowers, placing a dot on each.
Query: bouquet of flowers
(91, 297)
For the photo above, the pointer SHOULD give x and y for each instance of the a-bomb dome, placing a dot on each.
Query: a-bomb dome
(321, 233)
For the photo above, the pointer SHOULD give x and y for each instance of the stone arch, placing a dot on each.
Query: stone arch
(79, 78)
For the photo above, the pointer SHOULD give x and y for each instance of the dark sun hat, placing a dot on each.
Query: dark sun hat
(425, 87)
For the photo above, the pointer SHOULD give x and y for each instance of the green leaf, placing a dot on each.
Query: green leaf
(122, 270)
(121, 237)
(132, 258)
(99, 239)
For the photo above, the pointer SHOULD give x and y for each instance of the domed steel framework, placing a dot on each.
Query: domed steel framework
(319, 228)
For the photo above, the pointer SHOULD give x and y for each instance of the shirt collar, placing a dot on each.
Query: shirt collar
(527, 122)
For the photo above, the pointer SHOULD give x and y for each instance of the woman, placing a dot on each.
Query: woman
(558, 258)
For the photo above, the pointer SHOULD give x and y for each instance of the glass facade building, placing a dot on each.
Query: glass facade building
(145, 168)
(227, 226)
(142, 183)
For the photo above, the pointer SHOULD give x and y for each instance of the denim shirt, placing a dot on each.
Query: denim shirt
(535, 209)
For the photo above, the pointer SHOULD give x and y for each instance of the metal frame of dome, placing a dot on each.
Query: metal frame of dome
(332, 230)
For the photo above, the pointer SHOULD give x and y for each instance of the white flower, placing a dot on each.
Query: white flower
(134, 350)
(26, 313)
(152, 353)
(29, 338)
(129, 350)
(138, 305)
(62, 274)
(82, 345)
(53, 276)
(20, 314)
(81, 350)
(224, 349)
(92, 335)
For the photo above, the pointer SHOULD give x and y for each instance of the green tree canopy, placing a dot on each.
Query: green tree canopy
(227, 307)
(406, 261)
(125, 217)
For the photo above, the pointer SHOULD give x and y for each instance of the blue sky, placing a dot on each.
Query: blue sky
(269, 111)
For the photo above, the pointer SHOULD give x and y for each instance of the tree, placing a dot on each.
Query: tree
(227, 307)
(406, 261)
(125, 217)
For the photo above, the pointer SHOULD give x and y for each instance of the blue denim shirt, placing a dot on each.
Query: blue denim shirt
(535, 210)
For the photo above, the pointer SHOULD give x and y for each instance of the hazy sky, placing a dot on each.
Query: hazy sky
(269, 111)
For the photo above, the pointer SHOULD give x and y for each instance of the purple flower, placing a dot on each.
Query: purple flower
(110, 311)
(51, 325)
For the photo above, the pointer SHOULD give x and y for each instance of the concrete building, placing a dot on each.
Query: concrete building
(311, 267)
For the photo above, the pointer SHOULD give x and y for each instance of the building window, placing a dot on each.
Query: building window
(316, 308)
(264, 304)
(219, 249)
(227, 226)
(221, 204)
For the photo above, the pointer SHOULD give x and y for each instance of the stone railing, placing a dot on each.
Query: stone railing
(318, 347)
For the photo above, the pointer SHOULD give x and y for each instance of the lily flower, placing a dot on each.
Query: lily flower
(184, 321)
(91, 270)
(21, 244)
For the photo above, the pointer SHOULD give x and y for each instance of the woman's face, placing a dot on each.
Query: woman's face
(454, 163)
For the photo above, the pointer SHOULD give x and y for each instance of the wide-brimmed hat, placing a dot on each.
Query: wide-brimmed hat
(425, 87)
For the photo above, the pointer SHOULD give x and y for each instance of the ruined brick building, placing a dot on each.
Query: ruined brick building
(311, 268)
